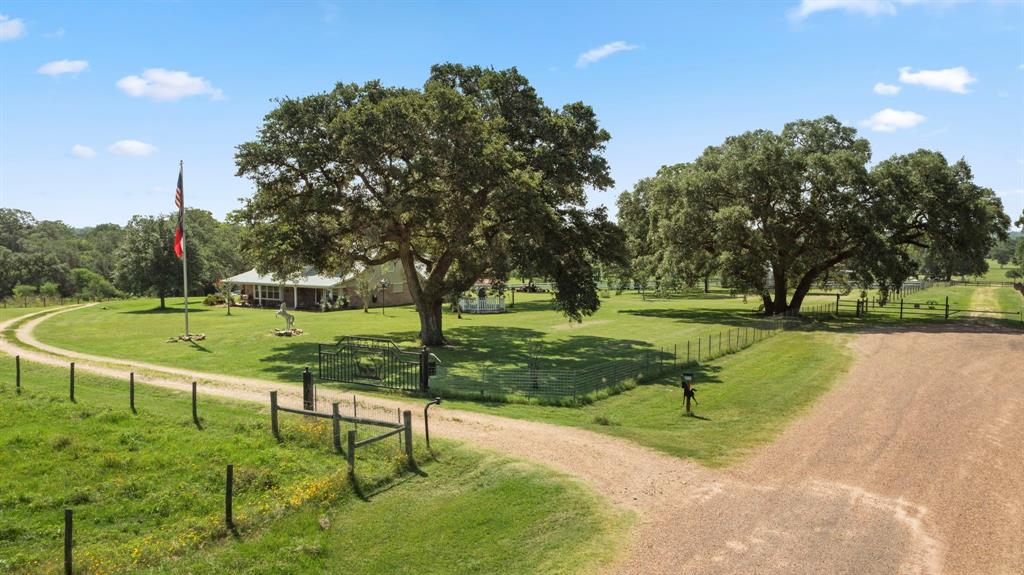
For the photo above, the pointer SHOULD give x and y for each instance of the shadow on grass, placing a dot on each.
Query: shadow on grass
(165, 310)
(727, 317)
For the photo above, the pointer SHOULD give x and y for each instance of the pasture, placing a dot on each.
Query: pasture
(626, 326)
(147, 490)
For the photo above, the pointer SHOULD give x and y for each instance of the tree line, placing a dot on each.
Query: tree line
(47, 258)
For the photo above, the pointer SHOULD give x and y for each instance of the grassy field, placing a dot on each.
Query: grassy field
(996, 272)
(745, 400)
(625, 327)
(147, 491)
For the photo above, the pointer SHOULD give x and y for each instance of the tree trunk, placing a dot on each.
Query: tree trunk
(430, 323)
(779, 302)
(162, 306)
(706, 286)
(801, 291)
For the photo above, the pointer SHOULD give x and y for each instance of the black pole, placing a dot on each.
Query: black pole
(17, 374)
(131, 390)
(229, 519)
(273, 415)
(67, 541)
(195, 413)
(71, 382)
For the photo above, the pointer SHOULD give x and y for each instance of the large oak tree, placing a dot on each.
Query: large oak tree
(780, 212)
(471, 175)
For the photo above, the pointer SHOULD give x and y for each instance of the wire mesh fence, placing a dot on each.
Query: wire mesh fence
(559, 386)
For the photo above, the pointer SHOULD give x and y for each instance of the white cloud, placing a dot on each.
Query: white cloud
(132, 148)
(167, 85)
(58, 67)
(866, 7)
(889, 120)
(950, 79)
(887, 89)
(602, 52)
(80, 151)
(11, 28)
(58, 33)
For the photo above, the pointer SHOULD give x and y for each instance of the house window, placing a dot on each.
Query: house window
(272, 292)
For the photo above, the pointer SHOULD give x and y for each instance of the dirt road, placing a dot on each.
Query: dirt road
(913, 464)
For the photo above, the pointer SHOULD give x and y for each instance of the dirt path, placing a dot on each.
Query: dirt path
(886, 474)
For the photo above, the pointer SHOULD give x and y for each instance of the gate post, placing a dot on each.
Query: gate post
(947, 307)
(424, 369)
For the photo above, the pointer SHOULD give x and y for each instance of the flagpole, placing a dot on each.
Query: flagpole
(184, 252)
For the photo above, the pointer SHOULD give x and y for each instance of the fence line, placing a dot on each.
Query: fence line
(401, 429)
(577, 386)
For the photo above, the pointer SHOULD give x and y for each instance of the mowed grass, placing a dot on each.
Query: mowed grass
(626, 326)
(147, 491)
(745, 400)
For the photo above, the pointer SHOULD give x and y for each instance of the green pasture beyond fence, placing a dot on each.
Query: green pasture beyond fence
(369, 425)
(572, 387)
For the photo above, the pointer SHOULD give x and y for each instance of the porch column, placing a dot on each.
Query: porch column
(259, 295)
(295, 297)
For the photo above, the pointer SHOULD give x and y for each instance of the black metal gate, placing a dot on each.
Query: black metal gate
(374, 361)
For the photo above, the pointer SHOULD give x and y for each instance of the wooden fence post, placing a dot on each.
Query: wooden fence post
(71, 382)
(947, 307)
(229, 493)
(901, 308)
(407, 420)
(195, 413)
(68, 525)
(351, 455)
(131, 390)
(336, 426)
(273, 415)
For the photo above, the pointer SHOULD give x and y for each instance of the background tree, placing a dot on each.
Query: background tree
(146, 263)
(780, 212)
(1003, 251)
(468, 175)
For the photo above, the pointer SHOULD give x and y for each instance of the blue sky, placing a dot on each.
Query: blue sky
(99, 101)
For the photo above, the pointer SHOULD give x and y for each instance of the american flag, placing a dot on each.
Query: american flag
(179, 200)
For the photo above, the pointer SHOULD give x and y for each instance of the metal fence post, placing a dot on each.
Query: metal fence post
(17, 374)
(336, 426)
(195, 412)
(947, 307)
(131, 390)
(273, 415)
(407, 421)
(308, 395)
(68, 526)
(71, 382)
(229, 492)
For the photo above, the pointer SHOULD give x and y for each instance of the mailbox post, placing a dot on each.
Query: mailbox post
(688, 392)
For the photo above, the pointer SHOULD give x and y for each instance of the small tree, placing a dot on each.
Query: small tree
(49, 290)
(22, 291)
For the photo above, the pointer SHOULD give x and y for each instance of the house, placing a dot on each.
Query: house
(310, 290)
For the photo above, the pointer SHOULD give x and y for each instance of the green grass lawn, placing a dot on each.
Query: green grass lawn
(745, 399)
(996, 272)
(147, 491)
(626, 326)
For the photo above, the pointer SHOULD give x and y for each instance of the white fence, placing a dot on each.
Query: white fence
(482, 305)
